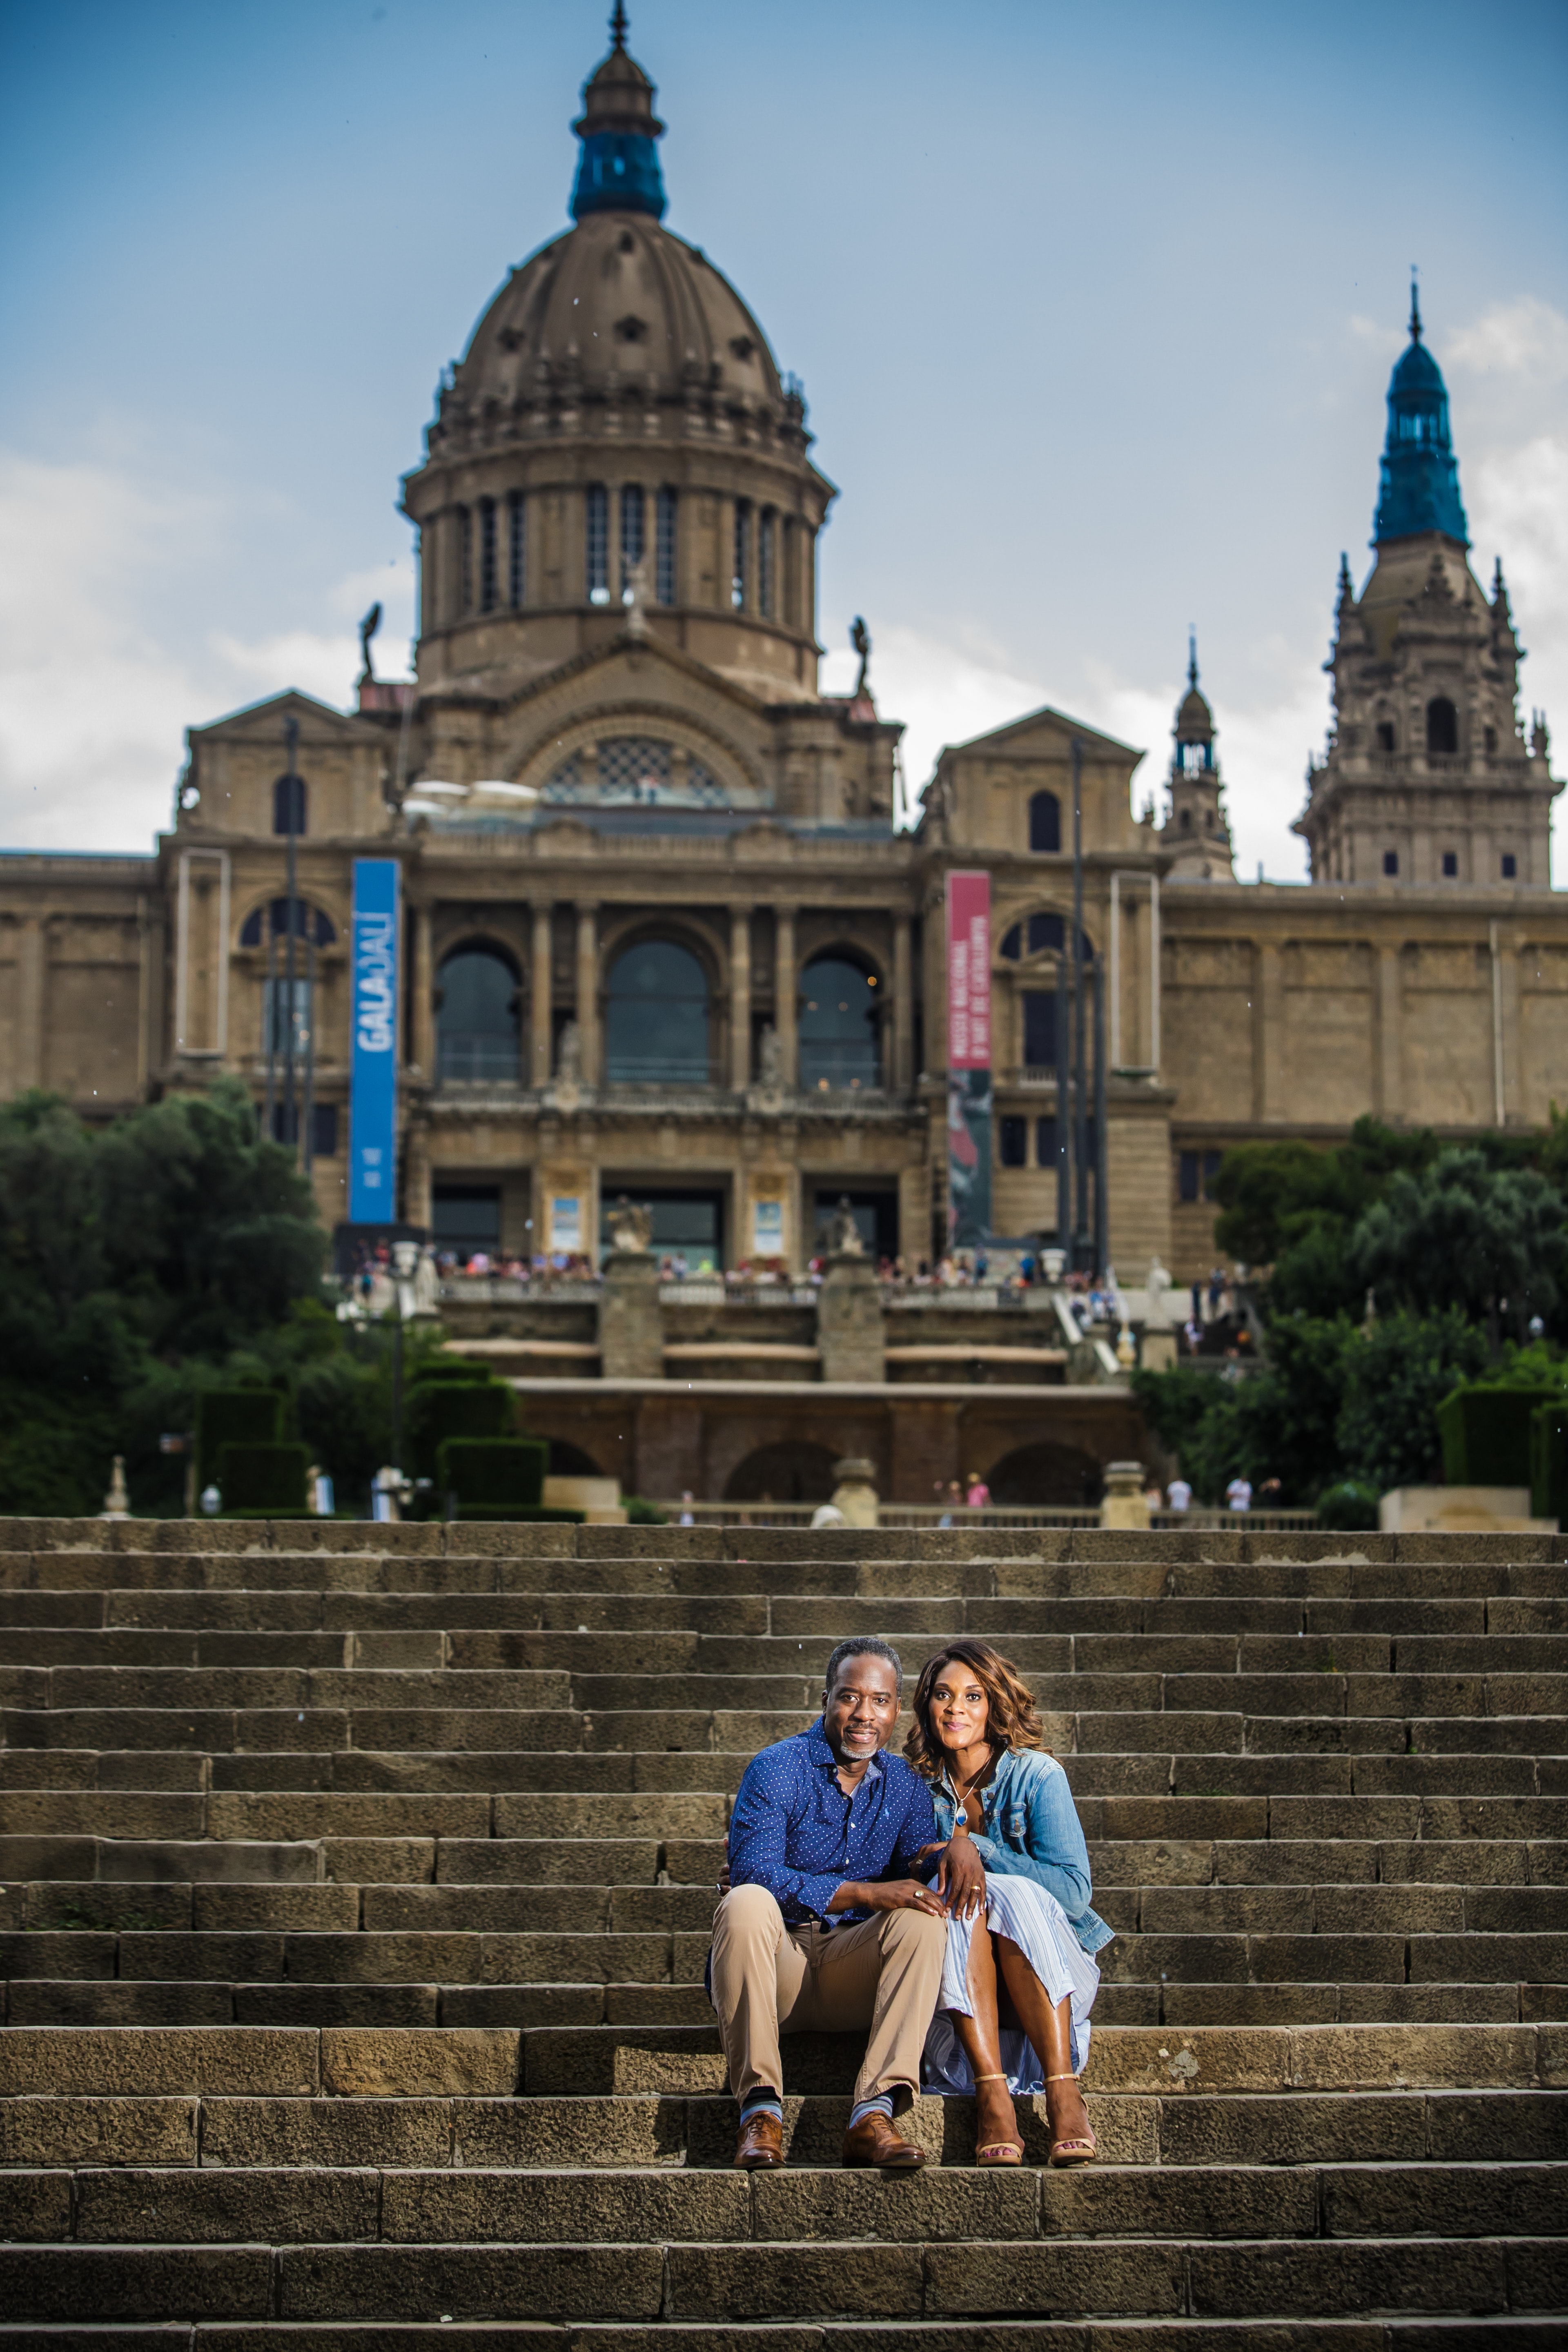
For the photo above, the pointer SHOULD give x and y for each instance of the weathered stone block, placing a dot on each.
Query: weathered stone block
(465, 2063)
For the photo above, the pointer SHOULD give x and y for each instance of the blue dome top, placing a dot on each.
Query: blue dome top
(618, 169)
(1418, 487)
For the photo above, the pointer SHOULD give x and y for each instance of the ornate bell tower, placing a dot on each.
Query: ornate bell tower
(1196, 827)
(1428, 777)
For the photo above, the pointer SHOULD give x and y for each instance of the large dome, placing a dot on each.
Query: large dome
(615, 310)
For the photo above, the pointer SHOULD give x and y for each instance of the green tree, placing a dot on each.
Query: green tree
(1396, 1378)
(1465, 1234)
(133, 1262)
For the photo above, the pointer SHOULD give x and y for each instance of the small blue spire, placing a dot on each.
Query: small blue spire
(1418, 488)
(617, 171)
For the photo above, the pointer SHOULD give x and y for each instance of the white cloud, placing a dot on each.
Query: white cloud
(91, 704)
(98, 675)
(944, 691)
(947, 691)
(1523, 338)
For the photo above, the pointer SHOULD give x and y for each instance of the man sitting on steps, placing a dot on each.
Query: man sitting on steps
(827, 1924)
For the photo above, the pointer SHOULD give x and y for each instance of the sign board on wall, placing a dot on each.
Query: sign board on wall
(566, 1222)
(767, 1229)
(372, 1064)
(968, 1059)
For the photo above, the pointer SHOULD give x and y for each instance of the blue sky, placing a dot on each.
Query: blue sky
(1095, 310)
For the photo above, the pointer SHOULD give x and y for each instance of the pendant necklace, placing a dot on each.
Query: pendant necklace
(962, 1794)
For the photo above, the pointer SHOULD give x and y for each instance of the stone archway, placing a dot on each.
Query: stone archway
(1043, 1475)
(569, 1460)
(792, 1471)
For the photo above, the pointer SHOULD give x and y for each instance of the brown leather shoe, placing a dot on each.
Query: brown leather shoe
(760, 2147)
(873, 2140)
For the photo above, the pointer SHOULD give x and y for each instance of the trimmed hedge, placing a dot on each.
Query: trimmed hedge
(445, 1410)
(1349, 1505)
(493, 1473)
(1485, 1430)
(1549, 1462)
(259, 1480)
(233, 1417)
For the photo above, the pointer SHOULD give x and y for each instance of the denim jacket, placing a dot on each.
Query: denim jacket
(1030, 1829)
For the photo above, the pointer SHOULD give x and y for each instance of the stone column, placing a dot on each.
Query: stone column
(740, 998)
(31, 956)
(1126, 1502)
(539, 999)
(588, 989)
(424, 979)
(903, 1036)
(1268, 1099)
(1385, 1016)
(849, 1320)
(417, 1186)
(786, 987)
(631, 1321)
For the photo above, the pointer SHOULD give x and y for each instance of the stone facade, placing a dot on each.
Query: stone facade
(616, 749)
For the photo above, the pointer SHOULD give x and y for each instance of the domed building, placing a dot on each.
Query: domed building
(611, 901)
(615, 456)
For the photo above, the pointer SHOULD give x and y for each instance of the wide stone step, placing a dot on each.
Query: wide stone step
(1216, 1956)
(552, 2205)
(425, 1771)
(132, 2061)
(182, 2000)
(720, 2283)
(434, 2132)
(822, 1618)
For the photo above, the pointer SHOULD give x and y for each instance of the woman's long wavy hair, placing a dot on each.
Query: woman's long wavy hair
(1011, 1722)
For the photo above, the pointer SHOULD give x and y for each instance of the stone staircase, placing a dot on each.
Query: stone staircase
(354, 1893)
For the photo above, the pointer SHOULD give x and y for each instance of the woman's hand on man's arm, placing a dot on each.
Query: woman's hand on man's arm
(960, 1879)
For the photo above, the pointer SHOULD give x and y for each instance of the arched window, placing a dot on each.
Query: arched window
(1035, 935)
(767, 531)
(308, 921)
(657, 1024)
(1385, 736)
(840, 1028)
(465, 559)
(489, 586)
(477, 1015)
(1442, 725)
(664, 582)
(634, 533)
(289, 804)
(516, 547)
(742, 560)
(1044, 824)
(597, 521)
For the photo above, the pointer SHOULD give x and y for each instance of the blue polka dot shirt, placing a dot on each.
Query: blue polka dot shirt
(794, 1831)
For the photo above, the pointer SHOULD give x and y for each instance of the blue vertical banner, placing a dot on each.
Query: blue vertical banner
(373, 1068)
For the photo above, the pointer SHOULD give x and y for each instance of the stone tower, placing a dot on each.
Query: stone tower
(1195, 827)
(617, 438)
(1428, 778)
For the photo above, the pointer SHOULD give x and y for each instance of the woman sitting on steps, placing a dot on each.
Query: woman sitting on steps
(1019, 1985)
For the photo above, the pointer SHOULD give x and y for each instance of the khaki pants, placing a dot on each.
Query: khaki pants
(883, 1973)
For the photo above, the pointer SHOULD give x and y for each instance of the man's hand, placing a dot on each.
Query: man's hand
(961, 1879)
(888, 1895)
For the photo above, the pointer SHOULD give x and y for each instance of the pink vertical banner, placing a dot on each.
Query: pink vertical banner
(968, 1060)
(969, 971)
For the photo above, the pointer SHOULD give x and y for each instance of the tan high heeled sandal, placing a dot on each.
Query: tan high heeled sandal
(997, 2155)
(1066, 2152)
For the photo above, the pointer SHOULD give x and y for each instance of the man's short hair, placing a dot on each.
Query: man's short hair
(864, 1646)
